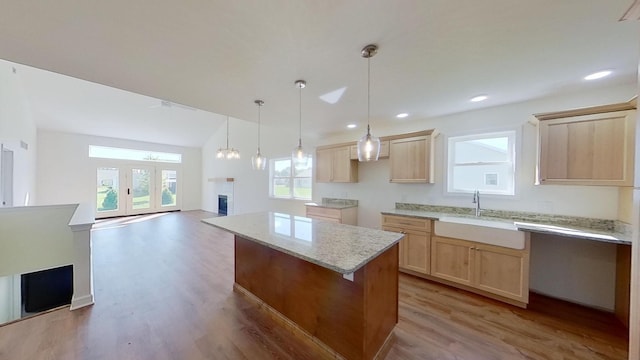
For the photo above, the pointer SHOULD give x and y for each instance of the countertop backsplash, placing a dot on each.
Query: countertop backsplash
(583, 222)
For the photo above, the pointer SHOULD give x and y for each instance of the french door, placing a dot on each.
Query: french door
(136, 189)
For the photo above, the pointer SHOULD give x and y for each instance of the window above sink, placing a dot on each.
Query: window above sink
(484, 162)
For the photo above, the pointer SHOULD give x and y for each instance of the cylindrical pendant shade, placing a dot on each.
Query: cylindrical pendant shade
(258, 162)
(299, 156)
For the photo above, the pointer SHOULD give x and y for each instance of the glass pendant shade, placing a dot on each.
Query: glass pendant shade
(258, 161)
(368, 147)
(299, 156)
(228, 153)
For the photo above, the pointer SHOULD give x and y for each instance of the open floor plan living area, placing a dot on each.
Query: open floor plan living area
(365, 179)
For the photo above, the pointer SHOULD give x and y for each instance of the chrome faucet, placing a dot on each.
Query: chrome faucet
(476, 200)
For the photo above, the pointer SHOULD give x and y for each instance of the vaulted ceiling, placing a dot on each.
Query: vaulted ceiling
(220, 55)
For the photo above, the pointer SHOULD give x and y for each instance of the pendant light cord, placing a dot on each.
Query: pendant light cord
(227, 131)
(300, 127)
(368, 93)
(259, 106)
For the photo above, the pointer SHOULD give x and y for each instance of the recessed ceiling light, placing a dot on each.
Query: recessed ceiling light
(351, 126)
(402, 115)
(479, 98)
(598, 75)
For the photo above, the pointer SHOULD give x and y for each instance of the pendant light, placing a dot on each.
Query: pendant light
(368, 145)
(258, 162)
(298, 155)
(228, 153)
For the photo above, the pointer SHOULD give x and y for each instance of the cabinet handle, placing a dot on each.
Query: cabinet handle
(473, 248)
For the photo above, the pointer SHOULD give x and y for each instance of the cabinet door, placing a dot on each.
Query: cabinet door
(402, 246)
(417, 250)
(342, 169)
(410, 160)
(451, 259)
(502, 271)
(324, 161)
(384, 149)
(590, 149)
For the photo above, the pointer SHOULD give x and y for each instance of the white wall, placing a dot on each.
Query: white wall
(66, 174)
(573, 269)
(251, 187)
(10, 298)
(16, 126)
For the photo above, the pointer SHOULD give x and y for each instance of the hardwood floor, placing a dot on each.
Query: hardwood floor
(163, 290)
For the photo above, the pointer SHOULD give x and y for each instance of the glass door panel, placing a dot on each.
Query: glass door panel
(108, 192)
(169, 188)
(140, 189)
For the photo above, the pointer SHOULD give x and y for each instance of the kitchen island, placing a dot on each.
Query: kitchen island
(337, 284)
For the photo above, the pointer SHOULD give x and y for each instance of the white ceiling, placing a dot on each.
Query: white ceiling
(220, 55)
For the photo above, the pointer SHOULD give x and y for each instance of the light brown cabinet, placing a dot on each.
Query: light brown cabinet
(592, 149)
(341, 216)
(334, 164)
(384, 150)
(411, 160)
(416, 246)
(491, 269)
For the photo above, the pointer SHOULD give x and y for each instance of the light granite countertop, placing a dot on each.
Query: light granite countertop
(549, 227)
(338, 247)
(331, 203)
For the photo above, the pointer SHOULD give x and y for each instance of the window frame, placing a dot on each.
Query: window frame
(292, 178)
(513, 137)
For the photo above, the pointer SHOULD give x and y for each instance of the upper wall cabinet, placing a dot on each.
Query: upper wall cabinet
(411, 159)
(588, 147)
(334, 164)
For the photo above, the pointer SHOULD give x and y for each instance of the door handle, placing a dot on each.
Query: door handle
(128, 191)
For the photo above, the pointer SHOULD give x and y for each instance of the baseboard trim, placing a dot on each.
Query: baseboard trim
(82, 301)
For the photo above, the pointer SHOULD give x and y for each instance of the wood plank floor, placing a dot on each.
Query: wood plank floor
(163, 289)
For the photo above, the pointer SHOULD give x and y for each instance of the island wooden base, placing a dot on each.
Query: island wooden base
(352, 318)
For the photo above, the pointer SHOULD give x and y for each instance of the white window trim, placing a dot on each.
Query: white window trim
(514, 141)
(292, 180)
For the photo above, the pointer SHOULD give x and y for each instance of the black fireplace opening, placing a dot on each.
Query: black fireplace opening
(222, 205)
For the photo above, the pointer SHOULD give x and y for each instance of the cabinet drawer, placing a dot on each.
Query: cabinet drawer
(329, 219)
(315, 211)
(406, 222)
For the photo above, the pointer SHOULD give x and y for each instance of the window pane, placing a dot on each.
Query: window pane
(483, 177)
(107, 189)
(282, 187)
(141, 193)
(303, 170)
(282, 168)
(132, 154)
(302, 188)
(482, 150)
(169, 187)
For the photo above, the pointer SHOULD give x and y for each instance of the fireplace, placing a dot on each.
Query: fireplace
(222, 205)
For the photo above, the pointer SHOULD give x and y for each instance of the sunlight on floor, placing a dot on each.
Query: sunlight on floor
(114, 223)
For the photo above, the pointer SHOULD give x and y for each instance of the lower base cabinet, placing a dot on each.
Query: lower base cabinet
(492, 269)
(347, 216)
(415, 248)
